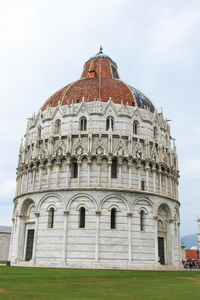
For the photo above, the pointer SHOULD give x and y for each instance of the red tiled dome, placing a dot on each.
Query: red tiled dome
(99, 80)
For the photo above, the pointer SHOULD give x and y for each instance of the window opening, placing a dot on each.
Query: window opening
(114, 168)
(91, 74)
(82, 217)
(83, 125)
(142, 220)
(51, 218)
(57, 127)
(142, 185)
(109, 123)
(135, 127)
(114, 72)
(113, 218)
(74, 169)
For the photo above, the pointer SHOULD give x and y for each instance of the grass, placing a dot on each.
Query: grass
(73, 284)
(2, 262)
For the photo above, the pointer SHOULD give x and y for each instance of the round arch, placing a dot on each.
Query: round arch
(165, 205)
(25, 205)
(81, 195)
(115, 196)
(144, 199)
(114, 206)
(48, 196)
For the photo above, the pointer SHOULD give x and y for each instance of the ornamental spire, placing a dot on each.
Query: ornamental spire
(100, 50)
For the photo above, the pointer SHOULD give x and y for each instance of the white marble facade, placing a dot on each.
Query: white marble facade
(45, 179)
(97, 187)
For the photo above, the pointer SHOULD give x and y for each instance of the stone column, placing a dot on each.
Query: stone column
(88, 174)
(34, 173)
(79, 166)
(20, 237)
(37, 214)
(67, 173)
(22, 182)
(147, 177)
(166, 185)
(130, 175)
(160, 181)
(40, 177)
(110, 143)
(109, 173)
(57, 173)
(156, 238)
(48, 174)
(66, 212)
(170, 241)
(97, 235)
(139, 180)
(99, 172)
(170, 185)
(154, 179)
(129, 237)
(130, 141)
(27, 181)
(120, 173)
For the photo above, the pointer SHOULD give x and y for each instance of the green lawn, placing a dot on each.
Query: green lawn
(70, 284)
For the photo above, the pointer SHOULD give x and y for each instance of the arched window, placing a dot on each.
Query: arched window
(82, 217)
(109, 123)
(51, 218)
(114, 168)
(74, 166)
(142, 220)
(155, 133)
(83, 124)
(113, 218)
(57, 129)
(135, 127)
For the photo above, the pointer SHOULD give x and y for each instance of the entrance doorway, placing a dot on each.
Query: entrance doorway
(29, 244)
(161, 250)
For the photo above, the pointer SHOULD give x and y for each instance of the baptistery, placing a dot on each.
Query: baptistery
(97, 179)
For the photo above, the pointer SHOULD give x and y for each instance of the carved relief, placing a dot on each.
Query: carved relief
(154, 154)
(138, 150)
(79, 147)
(120, 148)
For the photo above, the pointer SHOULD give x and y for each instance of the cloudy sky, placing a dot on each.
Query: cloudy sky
(156, 44)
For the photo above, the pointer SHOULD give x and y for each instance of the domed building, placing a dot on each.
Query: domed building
(97, 179)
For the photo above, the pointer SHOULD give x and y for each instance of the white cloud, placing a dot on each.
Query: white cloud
(7, 188)
(173, 32)
(191, 168)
